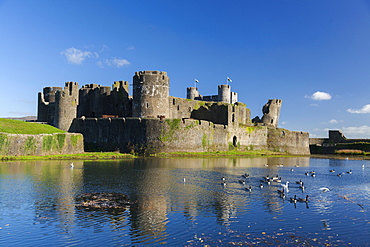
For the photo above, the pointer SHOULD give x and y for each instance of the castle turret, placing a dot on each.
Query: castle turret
(192, 93)
(66, 102)
(150, 94)
(271, 112)
(224, 93)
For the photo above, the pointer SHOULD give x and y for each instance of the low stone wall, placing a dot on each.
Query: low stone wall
(42, 144)
(293, 142)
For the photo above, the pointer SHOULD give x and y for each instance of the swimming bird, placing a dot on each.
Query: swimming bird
(261, 185)
(241, 181)
(280, 191)
(324, 189)
(246, 175)
(313, 174)
(285, 186)
(303, 199)
(184, 180)
(363, 166)
(293, 199)
(71, 165)
(301, 186)
(223, 178)
(249, 189)
(306, 173)
(339, 174)
(299, 182)
(332, 170)
(349, 172)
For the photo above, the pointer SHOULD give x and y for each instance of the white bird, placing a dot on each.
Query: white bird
(285, 186)
(324, 189)
(71, 165)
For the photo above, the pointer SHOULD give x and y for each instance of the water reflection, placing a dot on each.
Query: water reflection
(168, 209)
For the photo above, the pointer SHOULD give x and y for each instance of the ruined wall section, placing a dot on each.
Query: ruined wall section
(271, 112)
(46, 104)
(150, 94)
(97, 101)
(66, 102)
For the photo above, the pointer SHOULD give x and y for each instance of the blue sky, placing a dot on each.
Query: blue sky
(312, 54)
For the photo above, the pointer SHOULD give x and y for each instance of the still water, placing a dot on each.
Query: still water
(185, 202)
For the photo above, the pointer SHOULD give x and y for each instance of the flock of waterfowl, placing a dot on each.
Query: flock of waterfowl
(282, 187)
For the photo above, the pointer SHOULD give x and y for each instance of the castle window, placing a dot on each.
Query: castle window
(174, 102)
(189, 109)
(178, 108)
(272, 121)
(232, 118)
(147, 105)
(283, 133)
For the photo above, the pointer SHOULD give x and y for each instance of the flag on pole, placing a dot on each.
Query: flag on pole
(229, 80)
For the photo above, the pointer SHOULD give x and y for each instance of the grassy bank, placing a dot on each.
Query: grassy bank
(83, 156)
(20, 127)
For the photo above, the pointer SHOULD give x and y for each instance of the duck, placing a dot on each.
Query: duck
(332, 170)
(303, 199)
(339, 174)
(223, 178)
(293, 199)
(249, 189)
(306, 173)
(280, 191)
(349, 172)
(261, 185)
(241, 181)
(313, 174)
(278, 180)
(299, 182)
(301, 186)
(246, 175)
(72, 165)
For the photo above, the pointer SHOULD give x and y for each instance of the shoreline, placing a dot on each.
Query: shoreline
(117, 156)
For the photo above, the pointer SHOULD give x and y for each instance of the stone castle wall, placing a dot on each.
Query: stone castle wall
(42, 144)
(150, 135)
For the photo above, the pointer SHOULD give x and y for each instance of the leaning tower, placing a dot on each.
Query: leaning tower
(66, 102)
(271, 112)
(150, 94)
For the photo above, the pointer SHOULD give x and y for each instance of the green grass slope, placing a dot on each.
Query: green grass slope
(20, 127)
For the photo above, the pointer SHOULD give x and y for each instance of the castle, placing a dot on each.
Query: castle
(152, 121)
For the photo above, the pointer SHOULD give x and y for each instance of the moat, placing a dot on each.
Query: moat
(187, 202)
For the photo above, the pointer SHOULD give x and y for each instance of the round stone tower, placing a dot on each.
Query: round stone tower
(192, 93)
(224, 93)
(150, 94)
(66, 102)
